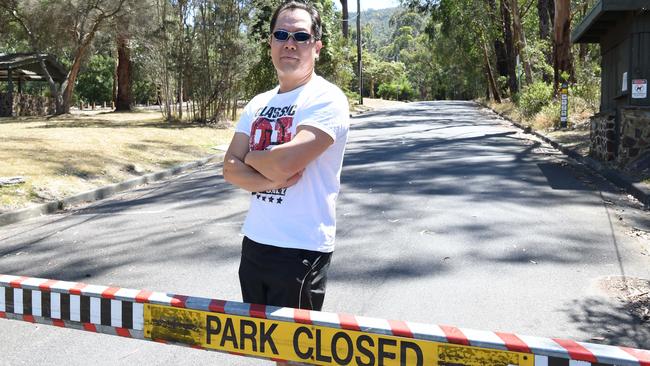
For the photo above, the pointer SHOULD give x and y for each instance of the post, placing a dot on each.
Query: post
(564, 109)
(11, 92)
(359, 64)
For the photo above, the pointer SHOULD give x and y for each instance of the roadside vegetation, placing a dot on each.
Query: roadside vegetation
(198, 61)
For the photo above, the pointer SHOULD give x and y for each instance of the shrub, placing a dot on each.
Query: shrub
(353, 97)
(534, 97)
(548, 116)
(396, 90)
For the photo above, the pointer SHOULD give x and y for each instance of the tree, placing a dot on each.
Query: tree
(136, 19)
(94, 84)
(520, 37)
(79, 20)
(545, 11)
(511, 52)
(124, 76)
(345, 21)
(562, 59)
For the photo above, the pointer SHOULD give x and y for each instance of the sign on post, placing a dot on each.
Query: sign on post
(564, 111)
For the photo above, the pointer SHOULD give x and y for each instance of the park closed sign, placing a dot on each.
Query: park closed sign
(308, 343)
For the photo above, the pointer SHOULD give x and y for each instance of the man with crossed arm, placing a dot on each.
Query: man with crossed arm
(288, 152)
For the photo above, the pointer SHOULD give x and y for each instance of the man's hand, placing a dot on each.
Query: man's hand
(236, 172)
(286, 160)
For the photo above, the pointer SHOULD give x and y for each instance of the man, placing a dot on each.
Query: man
(288, 151)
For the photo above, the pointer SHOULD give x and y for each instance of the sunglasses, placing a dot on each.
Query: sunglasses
(299, 37)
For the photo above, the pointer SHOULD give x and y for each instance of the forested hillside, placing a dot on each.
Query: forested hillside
(214, 53)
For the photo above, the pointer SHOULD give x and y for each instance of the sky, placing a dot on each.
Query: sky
(368, 4)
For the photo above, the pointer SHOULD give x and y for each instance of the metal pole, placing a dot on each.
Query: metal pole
(359, 64)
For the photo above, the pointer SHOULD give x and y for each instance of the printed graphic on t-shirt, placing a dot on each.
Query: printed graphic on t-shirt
(272, 126)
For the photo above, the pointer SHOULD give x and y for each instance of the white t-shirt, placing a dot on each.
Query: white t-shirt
(302, 216)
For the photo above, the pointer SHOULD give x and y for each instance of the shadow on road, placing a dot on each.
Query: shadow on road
(609, 323)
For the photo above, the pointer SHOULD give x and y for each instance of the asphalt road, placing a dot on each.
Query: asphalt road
(447, 215)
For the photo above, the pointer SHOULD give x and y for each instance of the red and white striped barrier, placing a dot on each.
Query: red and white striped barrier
(284, 333)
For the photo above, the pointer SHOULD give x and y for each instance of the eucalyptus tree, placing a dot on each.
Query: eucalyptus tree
(65, 28)
(562, 58)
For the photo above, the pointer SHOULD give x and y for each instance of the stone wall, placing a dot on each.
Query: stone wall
(603, 137)
(26, 105)
(635, 135)
(627, 148)
(5, 105)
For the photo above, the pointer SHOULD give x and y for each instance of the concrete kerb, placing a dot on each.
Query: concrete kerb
(638, 190)
(100, 193)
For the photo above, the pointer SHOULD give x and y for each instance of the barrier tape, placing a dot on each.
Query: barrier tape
(286, 334)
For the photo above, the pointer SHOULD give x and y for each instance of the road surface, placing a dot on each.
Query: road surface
(447, 215)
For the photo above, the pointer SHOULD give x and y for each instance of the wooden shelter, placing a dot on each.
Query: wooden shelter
(621, 131)
(622, 28)
(19, 68)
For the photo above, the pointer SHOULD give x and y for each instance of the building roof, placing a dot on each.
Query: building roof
(27, 67)
(603, 17)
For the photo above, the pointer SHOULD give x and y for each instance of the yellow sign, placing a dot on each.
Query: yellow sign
(312, 344)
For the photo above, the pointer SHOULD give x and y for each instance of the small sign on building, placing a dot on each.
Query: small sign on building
(639, 88)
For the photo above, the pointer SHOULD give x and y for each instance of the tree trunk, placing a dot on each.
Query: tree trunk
(71, 79)
(544, 19)
(520, 40)
(562, 60)
(123, 100)
(344, 14)
(511, 53)
(490, 76)
(114, 92)
(181, 56)
(545, 32)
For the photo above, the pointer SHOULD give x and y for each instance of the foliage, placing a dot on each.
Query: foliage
(215, 53)
(534, 97)
(548, 116)
(396, 90)
(95, 83)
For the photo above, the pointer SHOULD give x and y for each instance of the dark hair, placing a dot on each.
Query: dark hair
(316, 27)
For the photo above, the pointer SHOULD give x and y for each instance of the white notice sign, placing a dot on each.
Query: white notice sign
(639, 88)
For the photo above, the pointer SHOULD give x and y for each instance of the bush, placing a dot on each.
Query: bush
(95, 81)
(396, 90)
(353, 97)
(548, 116)
(534, 97)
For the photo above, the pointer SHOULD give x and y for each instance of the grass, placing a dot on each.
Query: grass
(70, 154)
(64, 155)
(547, 120)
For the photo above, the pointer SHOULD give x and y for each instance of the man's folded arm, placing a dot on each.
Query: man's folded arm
(291, 158)
(238, 173)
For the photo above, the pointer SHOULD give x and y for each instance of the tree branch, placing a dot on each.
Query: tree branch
(527, 8)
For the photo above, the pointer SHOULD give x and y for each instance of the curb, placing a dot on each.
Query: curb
(638, 190)
(99, 193)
